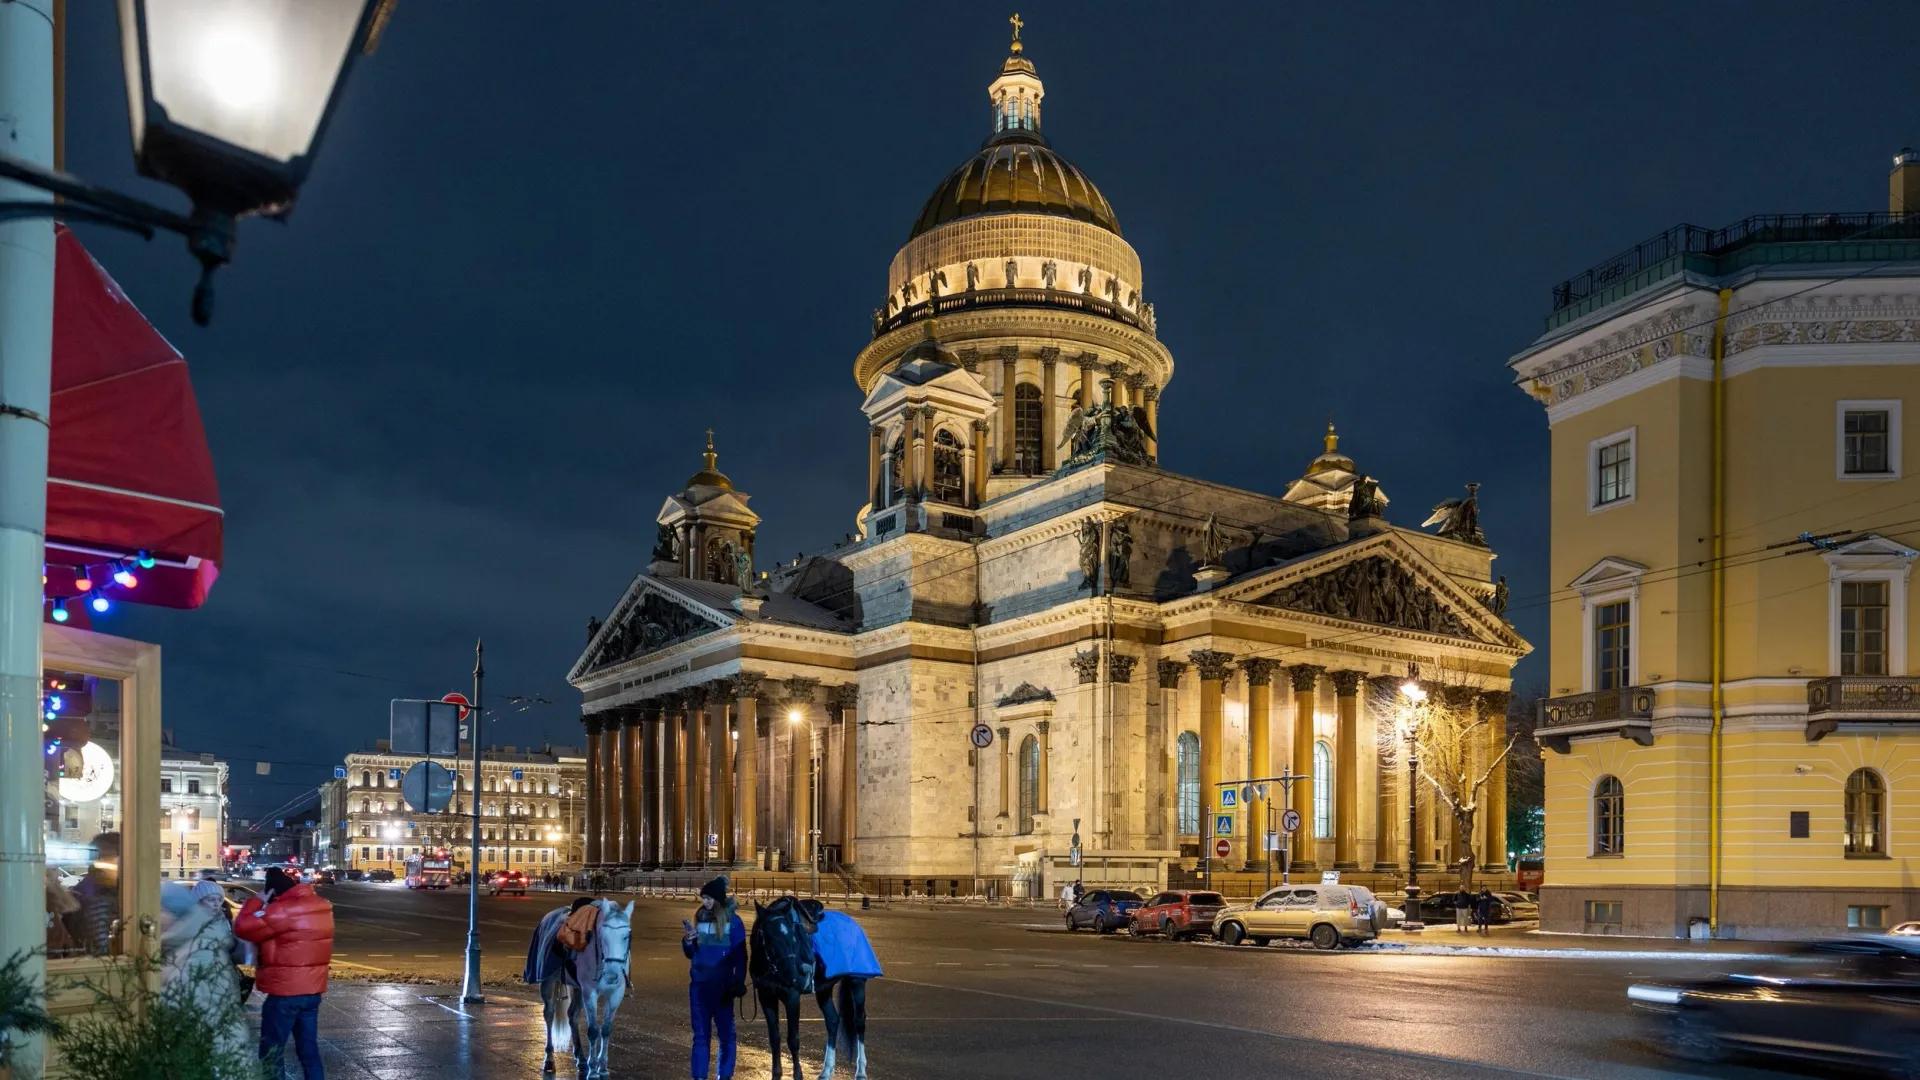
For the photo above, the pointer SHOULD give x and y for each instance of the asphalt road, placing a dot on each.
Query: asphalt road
(1008, 993)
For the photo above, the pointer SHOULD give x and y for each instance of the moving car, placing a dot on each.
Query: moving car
(1178, 913)
(380, 875)
(1327, 915)
(356, 875)
(326, 877)
(1852, 1001)
(1104, 910)
(508, 881)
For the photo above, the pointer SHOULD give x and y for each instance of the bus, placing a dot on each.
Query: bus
(429, 871)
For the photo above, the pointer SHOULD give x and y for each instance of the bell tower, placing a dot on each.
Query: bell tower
(706, 531)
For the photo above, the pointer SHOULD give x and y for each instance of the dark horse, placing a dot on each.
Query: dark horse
(780, 963)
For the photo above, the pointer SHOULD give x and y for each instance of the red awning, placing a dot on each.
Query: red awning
(128, 469)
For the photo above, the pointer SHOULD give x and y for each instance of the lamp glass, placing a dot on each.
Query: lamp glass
(256, 74)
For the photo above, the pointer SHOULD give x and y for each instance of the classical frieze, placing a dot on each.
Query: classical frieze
(1372, 590)
(650, 622)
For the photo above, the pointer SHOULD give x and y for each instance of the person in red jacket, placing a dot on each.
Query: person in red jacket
(293, 927)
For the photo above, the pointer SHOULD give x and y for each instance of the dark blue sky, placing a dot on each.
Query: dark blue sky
(544, 247)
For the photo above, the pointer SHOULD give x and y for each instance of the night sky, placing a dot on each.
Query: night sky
(545, 246)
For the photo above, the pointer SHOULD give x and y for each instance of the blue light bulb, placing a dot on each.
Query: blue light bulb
(146, 560)
(54, 703)
(100, 603)
(60, 613)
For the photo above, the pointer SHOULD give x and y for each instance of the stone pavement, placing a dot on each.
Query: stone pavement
(420, 1032)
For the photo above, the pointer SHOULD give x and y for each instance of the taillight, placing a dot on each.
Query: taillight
(1353, 905)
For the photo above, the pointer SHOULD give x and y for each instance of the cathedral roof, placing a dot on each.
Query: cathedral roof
(1016, 172)
(709, 474)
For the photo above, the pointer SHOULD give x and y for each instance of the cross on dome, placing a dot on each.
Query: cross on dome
(1017, 92)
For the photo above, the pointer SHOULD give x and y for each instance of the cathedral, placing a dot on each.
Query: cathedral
(1040, 657)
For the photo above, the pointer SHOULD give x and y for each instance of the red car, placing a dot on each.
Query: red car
(508, 881)
(1178, 914)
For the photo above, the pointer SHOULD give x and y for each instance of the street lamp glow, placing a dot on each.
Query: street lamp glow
(793, 716)
(1413, 691)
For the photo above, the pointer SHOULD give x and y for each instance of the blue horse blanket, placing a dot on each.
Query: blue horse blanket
(546, 957)
(843, 948)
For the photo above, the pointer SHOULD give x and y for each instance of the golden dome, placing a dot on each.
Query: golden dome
(710, 476)
(1333, 458)
(1016, 172)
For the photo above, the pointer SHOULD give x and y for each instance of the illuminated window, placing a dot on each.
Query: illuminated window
(1187, 797)
(1026, 428)
(1322, 790)
(949, 474)
(1866, 813)
(1029, 782)
(1609, 817)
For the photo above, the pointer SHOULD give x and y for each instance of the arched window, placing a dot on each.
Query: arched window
(720, 561)
(949, 473)
(366, 778)
(1322, 790)
(896, 470)
(1609, 817)
(1026, 428)
(1187, 795)
(366, 806)
(1029, 782)
(1866, 813)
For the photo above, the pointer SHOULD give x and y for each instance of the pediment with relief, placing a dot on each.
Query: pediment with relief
(1375, 590)
(649, 621)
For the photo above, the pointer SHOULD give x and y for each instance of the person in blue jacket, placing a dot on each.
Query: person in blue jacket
(716, 948)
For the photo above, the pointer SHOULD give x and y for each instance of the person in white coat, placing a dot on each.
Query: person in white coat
(196, 969)
(1066, 895)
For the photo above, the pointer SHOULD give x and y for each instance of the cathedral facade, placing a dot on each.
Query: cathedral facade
(1041, 655)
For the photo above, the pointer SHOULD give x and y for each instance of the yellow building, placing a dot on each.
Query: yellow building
(533, 806)
(1733, 736)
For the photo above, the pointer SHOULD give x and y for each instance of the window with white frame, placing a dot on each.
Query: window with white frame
(1863, 627)
(1867, 604)
(1322, 791)
(1868, 435)
(1612, 645)
(1610, 465)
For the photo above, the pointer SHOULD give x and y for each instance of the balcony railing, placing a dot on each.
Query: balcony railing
(1870, 699)
(961, 301)
(1627, 712)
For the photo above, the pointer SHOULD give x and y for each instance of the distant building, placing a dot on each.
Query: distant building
(1734, 731)
(193, 810)
(532, 810)
(330, 838)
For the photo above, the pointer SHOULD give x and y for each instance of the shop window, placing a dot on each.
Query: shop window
(1866, 814)
(1609, 817)
(1866, 917)
(1604, 912)
(1187, 794)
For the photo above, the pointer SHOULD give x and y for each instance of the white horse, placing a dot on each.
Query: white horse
(593, 980)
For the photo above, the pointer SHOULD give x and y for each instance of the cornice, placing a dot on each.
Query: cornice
(1025, 327)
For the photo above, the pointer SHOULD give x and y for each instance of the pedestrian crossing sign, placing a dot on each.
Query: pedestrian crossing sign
(1228, 798)
(1223, 824)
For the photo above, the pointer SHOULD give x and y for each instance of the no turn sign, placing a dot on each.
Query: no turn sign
(1222, 847)
(982, 736)
(1290, 821)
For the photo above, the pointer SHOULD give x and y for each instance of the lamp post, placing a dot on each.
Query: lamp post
(795, 716)
(1415, 696)
(228, 102)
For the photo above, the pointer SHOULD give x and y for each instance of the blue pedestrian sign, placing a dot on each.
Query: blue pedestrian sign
(393, 774)
(339, 772)
(1228, 798)
(519, 774)
(1223, 824)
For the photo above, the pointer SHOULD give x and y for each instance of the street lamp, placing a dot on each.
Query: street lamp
(795, 716)
(1416, 696)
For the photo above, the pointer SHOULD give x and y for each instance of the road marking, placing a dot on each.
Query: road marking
(945, 963)
(378, 955)
(998, 965)
(426, 956)
(1237, 1028)
(1146, 965)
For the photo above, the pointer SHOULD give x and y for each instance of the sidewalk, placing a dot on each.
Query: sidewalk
(398, 1032)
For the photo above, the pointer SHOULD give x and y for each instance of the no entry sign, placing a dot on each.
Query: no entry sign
(1222, 847)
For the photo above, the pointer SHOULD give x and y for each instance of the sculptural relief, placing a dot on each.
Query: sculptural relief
(649, 624)
(1372, 590)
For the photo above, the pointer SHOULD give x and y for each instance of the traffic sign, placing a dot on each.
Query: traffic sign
(393, 774)
(1227, 798)
(279, 823)
(1223, 824)
(428, 787)
(460, 699)
(1273, 841)
(1290, 821)
(981, 736)
(1222, 847)
(519, 774)
(339, 772)
(423, 728)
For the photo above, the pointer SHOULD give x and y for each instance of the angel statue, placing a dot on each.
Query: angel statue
(1365, 502)
(666, 546)
(1459, 519)
(973, 277)
(1213, 544)
(1109, 431)
(1500, 597)
(742, 567)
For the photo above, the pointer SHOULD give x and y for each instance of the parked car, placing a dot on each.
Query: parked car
(507, 881)
(236, 898)
(1521, 906)
(1852, 1001)
(1906, 929)
(1178, 914)
(1327, 915)
(326, 877)
(1438, 908)
(380, 875)
(356, 875)
(1104, 910)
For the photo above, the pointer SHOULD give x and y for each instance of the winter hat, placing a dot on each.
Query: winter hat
(279, 881)
(208, 891)
(717, 888)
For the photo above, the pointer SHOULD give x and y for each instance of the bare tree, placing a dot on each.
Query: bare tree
(1452, 732)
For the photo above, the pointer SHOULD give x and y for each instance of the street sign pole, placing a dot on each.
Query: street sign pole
(1286, 781)
(470, 993)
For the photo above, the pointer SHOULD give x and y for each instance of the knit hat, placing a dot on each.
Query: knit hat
(717, 888)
